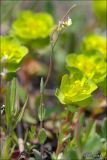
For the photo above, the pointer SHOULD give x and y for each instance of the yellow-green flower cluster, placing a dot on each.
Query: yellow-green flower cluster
(11, 51)
(30, 26)
(95, 43)
(86, 71)
(75, 88)
(93, 66)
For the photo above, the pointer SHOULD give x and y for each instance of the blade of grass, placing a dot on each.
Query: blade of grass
(8, 107)
(88, 130)
(12, 94)
(20, 115)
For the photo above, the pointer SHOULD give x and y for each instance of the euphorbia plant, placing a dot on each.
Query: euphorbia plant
(33, 29)
(31, 25)
(95, 43)
(11, 53)
(85, 73)
(93, 66)
(75, 87)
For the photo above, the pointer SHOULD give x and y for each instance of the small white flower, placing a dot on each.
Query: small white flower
(69, 22)
(64, 24)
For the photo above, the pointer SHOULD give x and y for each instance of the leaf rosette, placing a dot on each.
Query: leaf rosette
(93, 66)
(11, 53)
(75, 87)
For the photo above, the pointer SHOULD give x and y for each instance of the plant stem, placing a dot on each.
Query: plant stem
(53, 43)
(77, 133)
(59, 148)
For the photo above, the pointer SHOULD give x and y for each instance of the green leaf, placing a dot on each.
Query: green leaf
(103, 86)
(84, 103)
(21, 113)
(104, 128)
(8, 106)
(75, 72)
(32, 133)
(93, 144)
(72, 154)
(41, 112)
(41, 86)
(5, 150)
(13, 94)
(29, 118)
(14, 137)
(37, 154)
(42, 136)
(22, 94)
(88, 129)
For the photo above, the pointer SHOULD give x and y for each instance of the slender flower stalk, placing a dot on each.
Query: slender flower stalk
(63, 24)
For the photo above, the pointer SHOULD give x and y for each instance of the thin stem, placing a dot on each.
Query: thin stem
(52, 53)
(50, 69)
(77, 130)
(64, 17)
(59, 148)
(53, 44)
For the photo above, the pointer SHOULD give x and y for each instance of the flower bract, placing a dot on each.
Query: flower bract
(75, 87)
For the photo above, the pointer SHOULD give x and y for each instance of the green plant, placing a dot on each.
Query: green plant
(75, 87)
(13, 115)
(75, 132)
(86, 73)
(33, 29)
(33, 26)
(11, 53)
(93, 66)
(94, 44)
